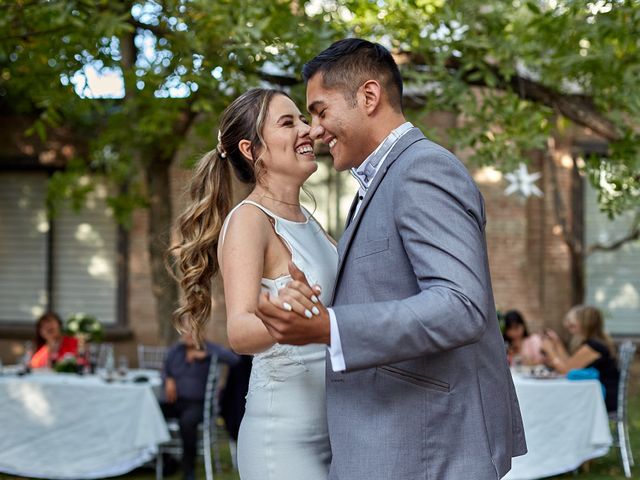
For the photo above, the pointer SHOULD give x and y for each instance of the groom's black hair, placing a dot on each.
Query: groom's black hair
(348, 63)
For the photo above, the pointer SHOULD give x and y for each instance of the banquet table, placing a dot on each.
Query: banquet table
(565, 423)
(66, 426)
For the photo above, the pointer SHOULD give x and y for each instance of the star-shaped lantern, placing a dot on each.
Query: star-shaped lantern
(522, 182)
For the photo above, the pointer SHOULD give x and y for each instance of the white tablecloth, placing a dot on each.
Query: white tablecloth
(64, 426)
(565, 423)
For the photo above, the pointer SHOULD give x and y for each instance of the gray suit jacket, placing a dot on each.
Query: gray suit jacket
(427, 392)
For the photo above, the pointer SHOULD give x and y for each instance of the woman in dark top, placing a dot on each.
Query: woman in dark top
(592, 348)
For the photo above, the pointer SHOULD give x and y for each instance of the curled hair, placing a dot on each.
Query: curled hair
(350, 62)
(194, 254)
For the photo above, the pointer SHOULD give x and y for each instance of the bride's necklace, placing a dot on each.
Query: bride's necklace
(280, 201)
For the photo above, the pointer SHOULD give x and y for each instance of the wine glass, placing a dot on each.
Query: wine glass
(123, 365)
(94, 354)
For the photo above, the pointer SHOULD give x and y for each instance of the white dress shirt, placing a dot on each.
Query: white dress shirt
(364, 175)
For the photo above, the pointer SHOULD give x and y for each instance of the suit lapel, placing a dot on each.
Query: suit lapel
(352, 209)
(405, 141)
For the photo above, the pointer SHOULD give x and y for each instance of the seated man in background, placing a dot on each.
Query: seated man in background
(185, 377)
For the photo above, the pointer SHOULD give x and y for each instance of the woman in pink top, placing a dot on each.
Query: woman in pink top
(522, 348)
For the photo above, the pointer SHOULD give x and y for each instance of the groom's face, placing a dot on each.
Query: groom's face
(338, 122)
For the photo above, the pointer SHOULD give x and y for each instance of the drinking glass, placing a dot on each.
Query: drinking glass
(123, 365)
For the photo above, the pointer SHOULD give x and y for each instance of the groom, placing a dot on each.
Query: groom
(418, 385)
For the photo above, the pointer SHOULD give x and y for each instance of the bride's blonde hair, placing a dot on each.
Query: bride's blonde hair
(194, 254)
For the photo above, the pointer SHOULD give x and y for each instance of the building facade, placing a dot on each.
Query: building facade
(85, 262)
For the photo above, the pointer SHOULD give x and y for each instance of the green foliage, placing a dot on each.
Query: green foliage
(68, 364)
(181, 61)
(185, 59)
(465, 54)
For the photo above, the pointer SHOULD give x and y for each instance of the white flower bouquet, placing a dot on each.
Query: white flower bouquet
(82, 325)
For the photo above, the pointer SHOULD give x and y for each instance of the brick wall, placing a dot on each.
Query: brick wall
(530, 266)
(529, 261)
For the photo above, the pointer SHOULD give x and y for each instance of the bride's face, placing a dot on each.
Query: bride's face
(288, 148)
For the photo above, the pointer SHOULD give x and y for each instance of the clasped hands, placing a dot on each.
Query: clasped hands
(550, 340)
(296, 316)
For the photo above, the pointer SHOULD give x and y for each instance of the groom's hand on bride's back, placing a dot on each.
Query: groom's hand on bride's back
(296, 316)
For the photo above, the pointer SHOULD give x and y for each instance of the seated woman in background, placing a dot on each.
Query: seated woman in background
(51, 345)
(522, 347)
(591, 348)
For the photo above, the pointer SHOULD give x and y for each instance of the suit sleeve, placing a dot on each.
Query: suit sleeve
(439, 215)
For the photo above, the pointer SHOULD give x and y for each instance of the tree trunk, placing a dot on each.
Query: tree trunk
(164, 287)
(572, 225)
(577, 233)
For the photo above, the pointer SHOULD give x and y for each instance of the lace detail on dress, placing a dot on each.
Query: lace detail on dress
(277, 364)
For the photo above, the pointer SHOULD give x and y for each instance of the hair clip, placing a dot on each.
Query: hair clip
(219, 147)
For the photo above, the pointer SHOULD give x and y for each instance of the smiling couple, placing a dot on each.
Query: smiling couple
(376, 358)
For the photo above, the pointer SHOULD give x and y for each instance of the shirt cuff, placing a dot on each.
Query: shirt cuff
(335, 349)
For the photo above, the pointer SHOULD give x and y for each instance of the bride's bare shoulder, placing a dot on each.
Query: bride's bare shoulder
(247, 226)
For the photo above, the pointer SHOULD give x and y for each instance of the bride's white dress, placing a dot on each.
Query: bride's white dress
(283, 435)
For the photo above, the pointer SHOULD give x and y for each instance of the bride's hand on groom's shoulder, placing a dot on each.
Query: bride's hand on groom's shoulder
(296, 316)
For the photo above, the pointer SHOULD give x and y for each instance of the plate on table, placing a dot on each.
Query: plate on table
(539, 372)
(544, 376)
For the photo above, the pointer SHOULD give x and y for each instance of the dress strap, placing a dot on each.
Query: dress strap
(264, 209)
(267, 212)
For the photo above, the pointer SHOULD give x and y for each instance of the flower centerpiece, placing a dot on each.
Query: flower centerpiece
(67, 364)
(84, 326)
(87, 329)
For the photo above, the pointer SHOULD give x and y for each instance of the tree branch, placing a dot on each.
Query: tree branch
(559, 207)
(578, 108)
(632, 235)
(37, 33)
(186, 118)
(157, 30)
(280, 80)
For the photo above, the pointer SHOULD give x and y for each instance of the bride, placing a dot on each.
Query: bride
(265, 140)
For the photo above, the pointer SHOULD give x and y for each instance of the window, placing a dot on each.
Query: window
(68, 264)
(612, 278)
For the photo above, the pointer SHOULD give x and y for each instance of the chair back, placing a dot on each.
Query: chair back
(626, 353)
(151, 356)
(207, 428)
(211, 391)
(210, 415)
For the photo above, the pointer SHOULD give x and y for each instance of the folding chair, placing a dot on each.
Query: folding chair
(151, 357)
(626, 353)
(207, 429)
